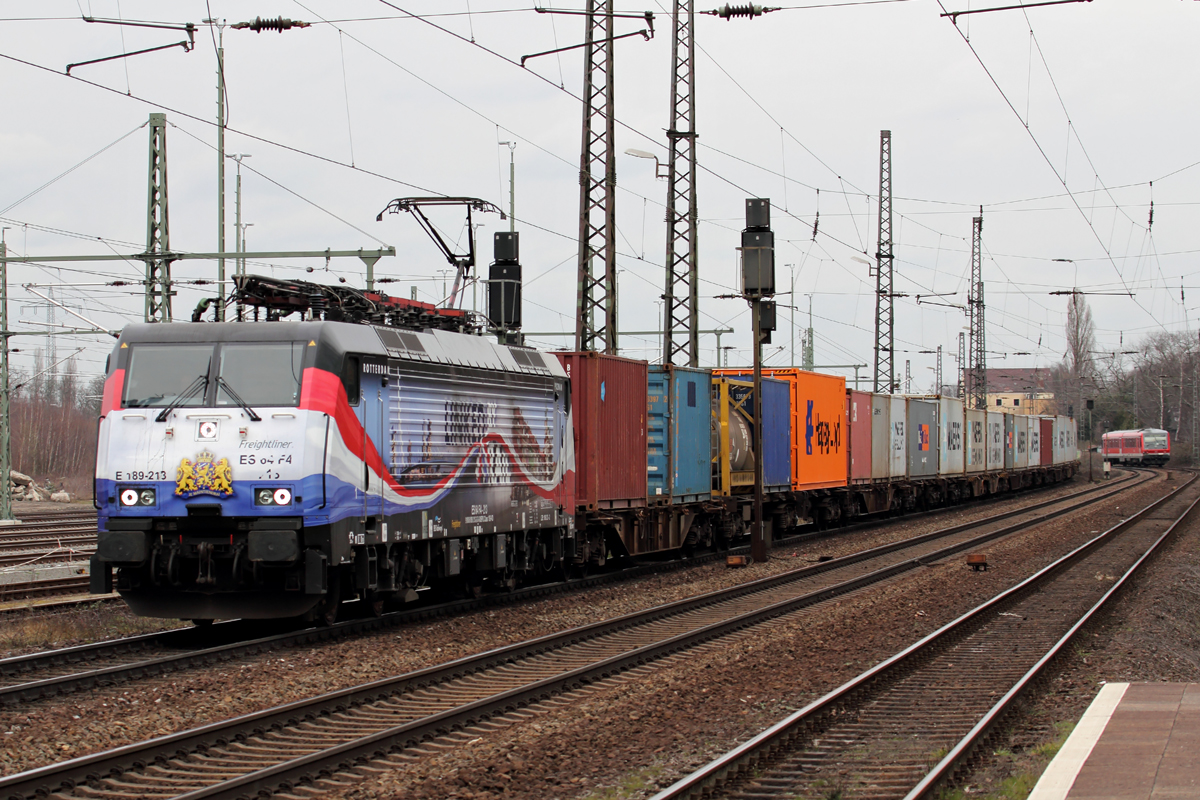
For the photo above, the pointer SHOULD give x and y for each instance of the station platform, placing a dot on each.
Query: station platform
(1136, 741)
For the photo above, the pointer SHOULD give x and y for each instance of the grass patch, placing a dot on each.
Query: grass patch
(634, 784)
(26, 631)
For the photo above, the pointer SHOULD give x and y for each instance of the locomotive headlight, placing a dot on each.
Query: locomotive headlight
(272, 496)
(134, 496)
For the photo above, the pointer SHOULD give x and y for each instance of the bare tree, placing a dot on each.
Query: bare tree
(1081, 337)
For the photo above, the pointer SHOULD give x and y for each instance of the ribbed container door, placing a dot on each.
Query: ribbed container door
(922, 438)
(976, 437)
(1047, 440)
(952, 439)
(777, 435)
(898, 460)
(690, 439)
(658, 442)
(859, 418)
(995, 441)
(881, 437)
(609, 406)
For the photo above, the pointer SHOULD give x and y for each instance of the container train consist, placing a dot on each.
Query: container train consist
(274, 468)
(1148, 446)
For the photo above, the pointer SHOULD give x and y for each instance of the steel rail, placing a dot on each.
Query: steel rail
(781, 735)
(945, 768)
(97, 766)
(193, 656)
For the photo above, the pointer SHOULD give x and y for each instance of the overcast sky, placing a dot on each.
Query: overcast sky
(1055, 120)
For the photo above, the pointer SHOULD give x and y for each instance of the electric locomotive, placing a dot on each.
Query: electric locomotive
(252, 469)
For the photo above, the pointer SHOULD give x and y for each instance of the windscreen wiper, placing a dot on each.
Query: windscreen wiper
(224, 384)
(182, 397)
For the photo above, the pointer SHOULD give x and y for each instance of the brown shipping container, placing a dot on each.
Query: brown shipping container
(859, 415)
(1046, 445)
(608, 403)
(819, 435)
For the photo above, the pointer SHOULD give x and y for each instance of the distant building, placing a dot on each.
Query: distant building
(1020, 390)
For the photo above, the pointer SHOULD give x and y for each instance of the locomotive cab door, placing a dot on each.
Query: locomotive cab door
(373, 415)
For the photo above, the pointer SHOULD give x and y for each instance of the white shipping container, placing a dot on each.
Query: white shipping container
(1021, 440)
(976, 448)
(995, 441)
(898, 463)
(1035, 441)
(951, 460)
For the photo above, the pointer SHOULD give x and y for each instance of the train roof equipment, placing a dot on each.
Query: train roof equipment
(462, 262)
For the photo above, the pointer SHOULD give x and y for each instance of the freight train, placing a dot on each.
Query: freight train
(1148, 446)
(376, 448)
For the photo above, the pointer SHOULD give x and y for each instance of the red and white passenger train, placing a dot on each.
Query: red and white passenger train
(1148, 446)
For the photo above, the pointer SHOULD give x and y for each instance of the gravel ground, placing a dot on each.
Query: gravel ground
(667, 724)
(1150, 635)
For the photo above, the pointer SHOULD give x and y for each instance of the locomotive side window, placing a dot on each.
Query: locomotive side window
(350, 378)
(161, 374)
(261, 374)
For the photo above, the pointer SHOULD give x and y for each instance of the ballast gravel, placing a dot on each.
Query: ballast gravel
(638, 736)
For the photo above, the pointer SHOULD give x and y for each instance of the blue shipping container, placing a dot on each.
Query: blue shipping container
(777, 435)
(678, 434)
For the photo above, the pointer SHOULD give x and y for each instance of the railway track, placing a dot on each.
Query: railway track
(57, 672)
(45, 587)
(285, 745)
(903, 728)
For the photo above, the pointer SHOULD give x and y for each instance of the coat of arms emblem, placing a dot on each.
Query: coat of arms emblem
(206, 476)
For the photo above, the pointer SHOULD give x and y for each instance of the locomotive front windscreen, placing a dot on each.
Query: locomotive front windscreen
(254, 373)
(1154, 441)
(158, 374)
(261, 374)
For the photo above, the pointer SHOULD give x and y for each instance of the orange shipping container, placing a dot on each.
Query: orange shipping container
(819, 435)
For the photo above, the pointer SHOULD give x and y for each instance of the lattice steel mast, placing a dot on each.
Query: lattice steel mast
(885, 340)
(977, 375)
(962, 365)
(596, 302)
(681, 341)
(158, 269)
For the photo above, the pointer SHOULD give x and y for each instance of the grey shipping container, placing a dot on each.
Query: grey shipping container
(678, 434)
(995, 441)
(1035, 441)
(897, 416)
(881, 437)
(976, 437)
(922, 419)
(1010, 443)
(952, 439)
(1021, 441)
